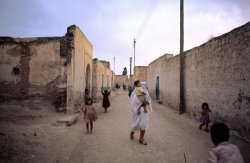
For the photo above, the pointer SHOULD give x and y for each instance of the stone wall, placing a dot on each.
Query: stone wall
(79, 73)
(123, 79)
(113, 80)
(167, 69)
(130, 81)
(99, 79)
(216, 72)
(55, 67)
(47, 68)
(30, 67)
(107, 74)
(140, 73)
(102, 77)
(120, 80)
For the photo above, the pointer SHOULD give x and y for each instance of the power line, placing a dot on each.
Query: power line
(147, 17)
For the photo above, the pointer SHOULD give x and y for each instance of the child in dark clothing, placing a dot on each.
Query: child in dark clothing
(205, 116)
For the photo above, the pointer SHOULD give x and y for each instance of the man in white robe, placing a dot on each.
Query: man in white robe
(139, 117)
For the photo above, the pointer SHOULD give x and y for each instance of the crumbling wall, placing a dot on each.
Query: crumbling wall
(46, 68)
(102, 77)
(14, 69)
(30, 67)
(79, 70)
(99, 78)
(113, 80)
(108, 74)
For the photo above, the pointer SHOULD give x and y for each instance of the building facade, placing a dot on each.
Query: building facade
(216, 72)
(102, 77)
(58, 68)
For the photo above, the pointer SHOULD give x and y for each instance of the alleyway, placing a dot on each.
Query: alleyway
(169, 137)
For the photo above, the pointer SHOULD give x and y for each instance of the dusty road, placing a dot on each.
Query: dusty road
(32, 135)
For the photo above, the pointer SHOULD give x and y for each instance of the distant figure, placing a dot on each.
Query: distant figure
(223, 152)
(204, 116)
(90, 115)
(105, 101)
(124, 87)
(129, 91)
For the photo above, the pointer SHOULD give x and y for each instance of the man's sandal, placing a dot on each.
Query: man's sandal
(143, 142)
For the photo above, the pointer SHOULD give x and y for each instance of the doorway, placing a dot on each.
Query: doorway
(87, 77)
(157, 91)
(107, 80)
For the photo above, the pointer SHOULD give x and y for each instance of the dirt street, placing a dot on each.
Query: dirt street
(29, 133)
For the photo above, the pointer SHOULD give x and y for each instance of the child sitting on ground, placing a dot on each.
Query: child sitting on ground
(140, 93)
(223, 152)
(90, 115)
(205, 116)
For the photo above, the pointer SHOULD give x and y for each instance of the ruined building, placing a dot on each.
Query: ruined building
(58, 68)
(102, 77)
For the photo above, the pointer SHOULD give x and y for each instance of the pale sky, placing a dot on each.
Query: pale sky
(111, 25)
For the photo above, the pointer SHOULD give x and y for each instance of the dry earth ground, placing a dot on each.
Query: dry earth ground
(29, 133)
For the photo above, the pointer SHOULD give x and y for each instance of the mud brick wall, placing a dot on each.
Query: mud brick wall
(113, 80)
(99, 79)
(217, 72)
(31, 67)
(14, 69)
(140, 73)
(79, 68)
(120, 80)
(108, 74)
(167, 69)
(123, 79)
(102, 77)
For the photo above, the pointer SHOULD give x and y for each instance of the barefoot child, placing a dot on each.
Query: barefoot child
(204, 116)
(90, 115)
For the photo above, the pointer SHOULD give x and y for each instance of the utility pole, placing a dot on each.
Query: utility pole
(182, 100)
(134, 55)
(130, 65)
(114, 64)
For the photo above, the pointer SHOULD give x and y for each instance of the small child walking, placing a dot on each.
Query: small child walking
(205, 116)
(90, 115)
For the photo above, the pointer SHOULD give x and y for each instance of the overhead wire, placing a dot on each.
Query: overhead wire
(146, 18)
(150, 10)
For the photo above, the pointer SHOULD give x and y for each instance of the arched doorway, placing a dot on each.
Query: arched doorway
(87, 77)
(107, 80)
(102, 80)
(157, 91)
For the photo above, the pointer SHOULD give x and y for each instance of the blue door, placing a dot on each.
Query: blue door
(157, 91)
